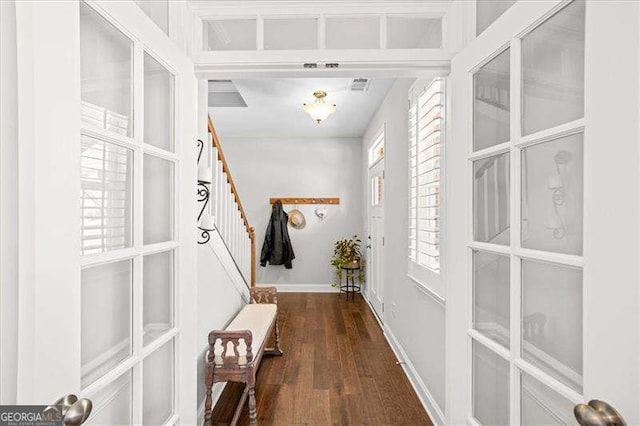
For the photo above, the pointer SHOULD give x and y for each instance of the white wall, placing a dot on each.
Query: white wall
(413, 317)
(218, 301)
(263, 168)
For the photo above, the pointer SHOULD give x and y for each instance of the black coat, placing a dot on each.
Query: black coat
(277, 248)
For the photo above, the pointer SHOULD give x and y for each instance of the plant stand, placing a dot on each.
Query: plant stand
(350, 287)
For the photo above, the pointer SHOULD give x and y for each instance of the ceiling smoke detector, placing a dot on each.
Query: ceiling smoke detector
(359, 85)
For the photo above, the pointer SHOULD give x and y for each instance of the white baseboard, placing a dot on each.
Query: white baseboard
(429, 403)
(303, 288)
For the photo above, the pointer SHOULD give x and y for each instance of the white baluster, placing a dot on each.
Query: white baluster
(213, 193)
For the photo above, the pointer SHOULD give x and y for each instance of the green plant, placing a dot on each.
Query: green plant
(347, 250)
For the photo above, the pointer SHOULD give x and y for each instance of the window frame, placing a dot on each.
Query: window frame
(425, 278)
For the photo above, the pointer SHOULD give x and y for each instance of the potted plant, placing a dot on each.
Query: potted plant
(347, 253)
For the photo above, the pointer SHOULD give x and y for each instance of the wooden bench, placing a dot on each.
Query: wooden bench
(235, 353)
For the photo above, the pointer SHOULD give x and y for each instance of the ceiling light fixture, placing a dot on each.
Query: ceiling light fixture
(319, 110)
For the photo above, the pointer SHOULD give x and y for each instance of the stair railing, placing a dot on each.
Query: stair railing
(229, 215)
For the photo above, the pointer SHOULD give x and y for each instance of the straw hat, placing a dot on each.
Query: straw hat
(297, 219)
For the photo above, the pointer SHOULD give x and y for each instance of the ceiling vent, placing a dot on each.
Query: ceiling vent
(223, 93)
(359, 84)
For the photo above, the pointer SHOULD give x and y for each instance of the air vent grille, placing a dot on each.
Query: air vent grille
(359, 84)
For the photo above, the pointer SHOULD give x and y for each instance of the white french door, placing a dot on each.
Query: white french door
(129, 294)
(375, 239)
(529, 155)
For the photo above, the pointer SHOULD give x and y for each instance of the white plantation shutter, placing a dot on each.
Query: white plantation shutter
(426, 115)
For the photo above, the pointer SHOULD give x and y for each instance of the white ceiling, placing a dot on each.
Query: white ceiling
(275, 108)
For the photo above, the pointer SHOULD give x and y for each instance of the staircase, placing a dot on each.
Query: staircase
(221, 205)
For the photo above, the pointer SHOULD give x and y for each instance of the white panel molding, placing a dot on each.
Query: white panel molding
(353, 63)
(428, 401)
(303, 288)
(206, 8)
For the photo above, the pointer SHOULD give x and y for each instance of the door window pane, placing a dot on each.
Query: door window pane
(106, 318)
(158, 104)
(414, 33)
(552, 195)
(158, 200)
(353, 33)
(491, 296)
(293, 34)
(106, 196)
(105, 73)
(158, 386)
(158, 294)
(112, 404)
(376, 190)
(552, 320)
(491, 222)
(542, 406)
(491, 103)
(231, 34)
(490, 387)
(553, 70)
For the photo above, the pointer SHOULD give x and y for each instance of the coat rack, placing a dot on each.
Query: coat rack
(305, 200)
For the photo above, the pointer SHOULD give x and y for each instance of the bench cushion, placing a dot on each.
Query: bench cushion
(256, 317)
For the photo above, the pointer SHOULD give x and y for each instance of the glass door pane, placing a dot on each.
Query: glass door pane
(553, 70)
(552, 320)
(491, 296)
(113, 404)
(491, 200)
(158, 391)
(542, 406)
(106, 69)
(552, 194)
(158, 104)
(158, 290)
(106, 318)
(158, 199)
(107, 196)
(492, 102)
(490, 387)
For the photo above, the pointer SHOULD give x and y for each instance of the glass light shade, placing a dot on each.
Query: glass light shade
(319, 110)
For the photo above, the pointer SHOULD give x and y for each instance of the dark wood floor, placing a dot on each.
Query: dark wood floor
(337, 368)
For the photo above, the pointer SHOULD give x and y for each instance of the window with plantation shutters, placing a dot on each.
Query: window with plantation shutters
(426, 115)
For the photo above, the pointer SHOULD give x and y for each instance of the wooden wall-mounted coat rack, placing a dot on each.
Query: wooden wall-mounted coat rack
(305, 200)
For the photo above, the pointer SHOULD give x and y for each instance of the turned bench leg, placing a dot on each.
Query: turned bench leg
(277, 351)
(253, 411)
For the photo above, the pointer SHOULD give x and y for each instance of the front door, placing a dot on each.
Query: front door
(375, 239)
(550, 301)
(109, 267)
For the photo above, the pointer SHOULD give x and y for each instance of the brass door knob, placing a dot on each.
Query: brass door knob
(597, 413)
